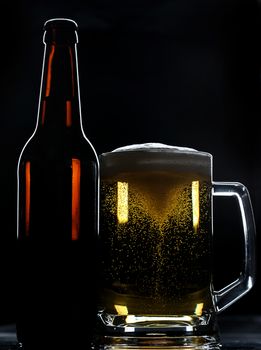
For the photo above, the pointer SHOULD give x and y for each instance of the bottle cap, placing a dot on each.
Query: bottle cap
(60, 31)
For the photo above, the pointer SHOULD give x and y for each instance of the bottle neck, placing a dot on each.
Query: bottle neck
(59, 104)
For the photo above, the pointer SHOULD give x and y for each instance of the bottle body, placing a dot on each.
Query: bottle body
(57, 209)
(56, 263)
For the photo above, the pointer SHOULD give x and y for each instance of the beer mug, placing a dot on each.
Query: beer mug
(156, 285)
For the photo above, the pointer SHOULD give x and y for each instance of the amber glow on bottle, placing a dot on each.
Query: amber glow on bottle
(76, 184)
(68, 121)
(43, 112)
(49, 75)
(73, 72)
(27, 197)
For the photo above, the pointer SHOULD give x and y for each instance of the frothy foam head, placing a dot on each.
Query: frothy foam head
(155, 157)
(153, 146)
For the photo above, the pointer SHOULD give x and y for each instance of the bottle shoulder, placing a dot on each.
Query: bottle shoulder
(43, 147)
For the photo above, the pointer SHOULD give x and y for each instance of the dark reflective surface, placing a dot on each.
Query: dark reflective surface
(240, 331)
(236, 331)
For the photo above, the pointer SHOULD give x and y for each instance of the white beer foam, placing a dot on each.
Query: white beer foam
(155, 157)
(152, 146)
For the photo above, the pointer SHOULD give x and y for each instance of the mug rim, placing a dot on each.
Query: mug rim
(155, 147)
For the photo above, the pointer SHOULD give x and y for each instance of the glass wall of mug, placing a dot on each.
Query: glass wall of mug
(156, 247)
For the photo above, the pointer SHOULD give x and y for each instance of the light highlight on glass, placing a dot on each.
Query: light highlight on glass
(122, 202)
(134, 319)
(199, 309)
(195, 204)
(121, 309)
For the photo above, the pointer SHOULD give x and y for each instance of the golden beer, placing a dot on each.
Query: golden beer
(155, 234)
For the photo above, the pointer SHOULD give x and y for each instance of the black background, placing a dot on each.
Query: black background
(181, 72)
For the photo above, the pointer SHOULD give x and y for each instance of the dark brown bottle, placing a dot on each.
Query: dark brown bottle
(57, 208)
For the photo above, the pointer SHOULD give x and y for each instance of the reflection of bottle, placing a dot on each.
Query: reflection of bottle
(57, 202)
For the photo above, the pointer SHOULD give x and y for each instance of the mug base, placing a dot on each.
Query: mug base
(157, 342)
(154, 332)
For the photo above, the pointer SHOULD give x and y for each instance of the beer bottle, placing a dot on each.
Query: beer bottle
(57, 205)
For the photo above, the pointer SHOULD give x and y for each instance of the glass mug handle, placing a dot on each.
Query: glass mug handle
(235, 290)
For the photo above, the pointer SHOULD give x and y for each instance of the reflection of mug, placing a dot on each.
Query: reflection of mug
(156, 246)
